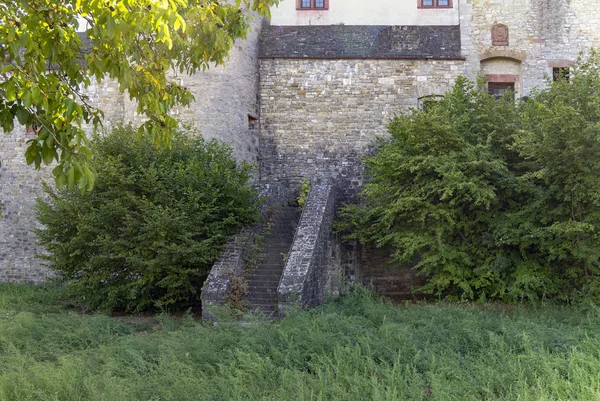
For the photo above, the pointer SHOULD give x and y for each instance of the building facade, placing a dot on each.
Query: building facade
(308, 92)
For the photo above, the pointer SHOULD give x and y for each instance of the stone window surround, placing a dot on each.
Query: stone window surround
(312, 6)
(502, 78)
(435, 5)
(511, 79)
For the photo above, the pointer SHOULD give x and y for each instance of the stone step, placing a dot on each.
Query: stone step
(263, 276)
(263, 279)
(266, 283)
(270, 272)
(267, 266)
(264, 273)
(263, 294)
(271, 264)
(259, 275)
(263, 289)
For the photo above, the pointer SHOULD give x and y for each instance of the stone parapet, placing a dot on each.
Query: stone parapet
(309, 271)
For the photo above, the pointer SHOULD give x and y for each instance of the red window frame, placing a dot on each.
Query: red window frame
(312, 5)
(435, 4)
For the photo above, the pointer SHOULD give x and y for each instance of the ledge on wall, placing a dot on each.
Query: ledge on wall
(503, 53)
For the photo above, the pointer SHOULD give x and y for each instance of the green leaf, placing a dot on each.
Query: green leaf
(47, 154)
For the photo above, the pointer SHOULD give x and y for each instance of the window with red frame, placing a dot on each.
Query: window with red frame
(435, 3)
(313, 4)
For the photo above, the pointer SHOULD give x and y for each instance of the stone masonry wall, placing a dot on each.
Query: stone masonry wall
(20, 185)
(319, 117)
(225, 96)
(226, 99)
(542, 33)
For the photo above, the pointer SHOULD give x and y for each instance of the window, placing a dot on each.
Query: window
(427, 102)
(252, 121)
(434, 4)
(560, 73)
(498, 89)
(312, 4)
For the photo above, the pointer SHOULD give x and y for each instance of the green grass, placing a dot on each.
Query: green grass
(356, 348)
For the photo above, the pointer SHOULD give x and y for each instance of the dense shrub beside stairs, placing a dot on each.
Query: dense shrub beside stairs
(147, 234)
(495, 199)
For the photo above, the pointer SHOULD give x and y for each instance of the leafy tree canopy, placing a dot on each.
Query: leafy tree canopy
(45, 65)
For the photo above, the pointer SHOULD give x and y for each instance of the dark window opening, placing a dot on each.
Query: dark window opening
(560, 73)
(252, 121)
(498, 89)
(427, 102)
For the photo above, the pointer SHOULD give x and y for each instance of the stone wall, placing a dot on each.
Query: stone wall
(19, 186)
(541, 34)
(372, 268)
(225, 97)
(319, 117)
(310, 273)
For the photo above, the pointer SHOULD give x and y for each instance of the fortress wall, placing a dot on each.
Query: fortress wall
(20, 185)
(224, 98)
(319, 117)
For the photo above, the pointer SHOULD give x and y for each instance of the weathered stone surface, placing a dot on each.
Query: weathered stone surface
(319, 117)
(19, 187)
(540, 31)
(310, 272)
(360, 41)
(232, 262)
(372, 267)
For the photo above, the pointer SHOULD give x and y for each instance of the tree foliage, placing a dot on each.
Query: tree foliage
(149, 231)
(494, 199)
(46, 66)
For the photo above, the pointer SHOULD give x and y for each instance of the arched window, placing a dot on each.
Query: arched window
(428, 101)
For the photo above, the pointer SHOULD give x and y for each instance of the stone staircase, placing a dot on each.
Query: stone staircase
(263, 278)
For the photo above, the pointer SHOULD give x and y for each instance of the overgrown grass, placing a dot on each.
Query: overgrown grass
(356, 348)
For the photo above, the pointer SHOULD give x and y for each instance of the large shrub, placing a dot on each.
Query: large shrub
(492, 199)
(155, 221)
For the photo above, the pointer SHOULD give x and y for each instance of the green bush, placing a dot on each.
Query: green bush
(492, 198)
(146, 236)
